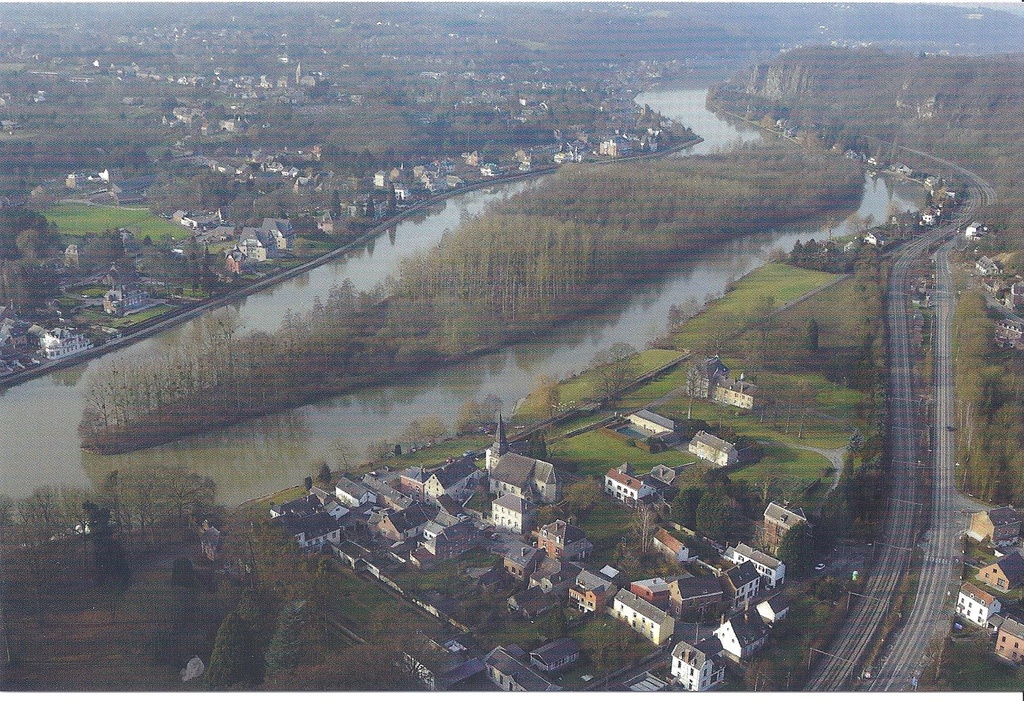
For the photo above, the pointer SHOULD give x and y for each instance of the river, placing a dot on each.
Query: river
(39, 419)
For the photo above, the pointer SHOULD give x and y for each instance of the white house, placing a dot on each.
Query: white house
(772, 570)
(876, 239)
(976, 605)
(456, 479)
(974, 231)
(670, 546)
(742, 635)
(698, 666)
(353, 494)
(60, 343)
(645, 618)
(713, 449)
(625, 487)
(512, 513)
(987, 266)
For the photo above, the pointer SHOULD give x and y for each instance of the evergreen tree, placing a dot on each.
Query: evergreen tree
(183, 574)
(231, 661)
(796, 549)
(712, 516)
(285, 647)
(323, 475)
(811, 339)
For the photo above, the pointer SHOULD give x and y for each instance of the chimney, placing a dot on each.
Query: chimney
(722, 621)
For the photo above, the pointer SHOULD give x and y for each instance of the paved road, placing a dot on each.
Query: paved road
(916, 643)
(839, 668)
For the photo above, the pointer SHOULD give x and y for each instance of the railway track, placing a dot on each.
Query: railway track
(840, 668)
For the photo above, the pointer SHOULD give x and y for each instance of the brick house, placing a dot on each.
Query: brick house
(1004, 574)
(1001, 526)
(778, 520)
(1010, 640)
(563, 540)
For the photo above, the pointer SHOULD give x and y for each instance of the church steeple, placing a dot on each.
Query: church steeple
(500, 446)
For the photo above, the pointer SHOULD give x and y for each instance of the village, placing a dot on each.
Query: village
(469, 543)
(118, 281)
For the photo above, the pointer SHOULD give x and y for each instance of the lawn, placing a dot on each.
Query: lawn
(81, 219)
(782, 282)
(593, 453)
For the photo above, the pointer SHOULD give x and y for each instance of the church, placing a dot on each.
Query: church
(521, 476)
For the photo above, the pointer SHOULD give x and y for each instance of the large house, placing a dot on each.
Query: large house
(312, 531)
(645, 618)
(1001, 526)
(61, 342)
(713, 449)
(710, 379)
(621, 484)
(125, 298)
(1004, 574)
(976, 605)
(561, 540)
(743, 634)
(772, 570)
(513, 514)
(698, 666)
(778, 520)
(654, 590)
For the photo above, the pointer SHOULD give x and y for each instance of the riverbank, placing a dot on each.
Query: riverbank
(187, 313)
(373, 340)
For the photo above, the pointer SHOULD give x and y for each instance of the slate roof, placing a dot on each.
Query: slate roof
(748, 627)
(781, 514)
(658, 419)
(563, 532)
(555, 651)
(500, 659)
(313, 525)
(1012, 626)
(513, 503)
(705, 438)
(742, 575)
(413, 517)
(592, 581)
(1012, 566)
(351, 487)
(1003, 516)
(644, 608)
(513, 468)
(752, 554)
(712, 367)
(700, 652)
(455, 472)
(692, 587)
(521, 555)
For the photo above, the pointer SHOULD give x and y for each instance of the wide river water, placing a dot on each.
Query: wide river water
(39, 419)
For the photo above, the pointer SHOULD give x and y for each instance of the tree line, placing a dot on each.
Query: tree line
(521, 268)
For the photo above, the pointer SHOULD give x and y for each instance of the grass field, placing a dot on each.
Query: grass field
(81, 219)
(782, 282)
(593, 453)
(584, 385)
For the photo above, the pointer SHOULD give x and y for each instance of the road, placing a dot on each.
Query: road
(839, 667)
(916, 643)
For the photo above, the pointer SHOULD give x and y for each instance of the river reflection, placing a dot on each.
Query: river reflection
(38, 419)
